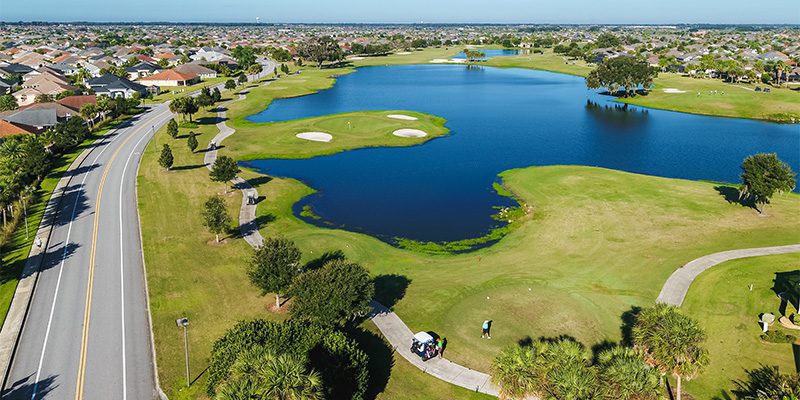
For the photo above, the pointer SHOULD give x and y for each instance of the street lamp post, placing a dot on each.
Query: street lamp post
(184, 323)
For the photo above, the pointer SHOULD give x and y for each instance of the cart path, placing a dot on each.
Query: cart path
(674, 290)
(399, 336)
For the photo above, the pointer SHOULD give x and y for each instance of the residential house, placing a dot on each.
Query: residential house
(170, 77)
(11, 129)
(114, 86)
(76, 102)
(142, 69)
(197, 69)
(63, 112)
(33, 121)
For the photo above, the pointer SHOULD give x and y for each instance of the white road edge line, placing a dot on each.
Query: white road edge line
(122, 264)
(60, 271)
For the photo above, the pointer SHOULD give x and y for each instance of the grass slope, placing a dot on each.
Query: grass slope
(350, 130)
(600, 242)
(722, 301)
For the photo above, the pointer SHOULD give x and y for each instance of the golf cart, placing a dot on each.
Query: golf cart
(423, 346)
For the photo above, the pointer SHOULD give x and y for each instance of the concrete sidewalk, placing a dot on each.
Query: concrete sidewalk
(399, 336)
(674, 290)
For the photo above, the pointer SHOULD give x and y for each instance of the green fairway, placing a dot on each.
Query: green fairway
(740, 101)
(721, 299)
(349, 130)
(547, 61)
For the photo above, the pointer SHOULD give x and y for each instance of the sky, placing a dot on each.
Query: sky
(408, 11)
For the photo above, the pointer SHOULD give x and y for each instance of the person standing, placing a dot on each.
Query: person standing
(486, 325)
(440, 347)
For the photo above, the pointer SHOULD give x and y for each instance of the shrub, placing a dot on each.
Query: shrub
(342, 365)
(776, 336)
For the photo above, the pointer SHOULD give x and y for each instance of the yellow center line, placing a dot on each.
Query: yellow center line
(88, 307)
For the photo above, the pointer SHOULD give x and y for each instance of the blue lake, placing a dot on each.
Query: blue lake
(491, 53)
(499, 119)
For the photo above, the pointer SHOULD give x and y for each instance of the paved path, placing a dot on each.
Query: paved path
(675, 289)
(399, 336)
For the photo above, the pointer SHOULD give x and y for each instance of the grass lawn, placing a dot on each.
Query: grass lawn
(187, 274)
(738, 101)
(423, 56)
(171, 93)
(350, 130)
(722, 301)
(16, 250)
(548, 61)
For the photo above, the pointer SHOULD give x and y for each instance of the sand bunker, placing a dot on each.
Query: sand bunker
(403, 53)
(411, 133)
(403, 117)
(673, 90)
(356, 58)
(315, 136)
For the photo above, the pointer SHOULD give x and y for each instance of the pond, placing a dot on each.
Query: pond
(490, 53)
(499, 119)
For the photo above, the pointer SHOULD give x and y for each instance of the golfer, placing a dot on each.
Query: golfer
(486, 325)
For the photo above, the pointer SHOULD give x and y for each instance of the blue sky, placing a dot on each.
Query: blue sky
(406, 11)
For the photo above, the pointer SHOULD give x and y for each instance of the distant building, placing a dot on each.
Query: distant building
(197, 69)
(114, 86)
(170, 77)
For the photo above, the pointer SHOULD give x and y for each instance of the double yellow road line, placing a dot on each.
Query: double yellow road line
(88, 308)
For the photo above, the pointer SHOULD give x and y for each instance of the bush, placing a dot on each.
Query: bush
(776, 336)
(342, 365)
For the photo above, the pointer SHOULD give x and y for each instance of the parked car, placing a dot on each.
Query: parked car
(423, 345)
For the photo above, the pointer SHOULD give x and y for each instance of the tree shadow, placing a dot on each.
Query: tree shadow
(72, 201)
(325, 258)
(732, 196)
(54, 255)
(380, 361)
(598, 348)
(390, 288)
(787, 286)
(187, 167)
(24, 388)
(628, 320)
(210, 120)
(80, 170)
(259, 180)
(251, 227)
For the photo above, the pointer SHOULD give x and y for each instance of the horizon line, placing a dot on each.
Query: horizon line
(401, 23)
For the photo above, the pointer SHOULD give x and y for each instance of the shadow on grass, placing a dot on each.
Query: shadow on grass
(187, 167)
(628, 319)
(381, 360)
(389, 289)
(248, 229)
(259, 180)
(210, 120)
(327, 257)
(732, 196)
(787, 286)
(24, 389)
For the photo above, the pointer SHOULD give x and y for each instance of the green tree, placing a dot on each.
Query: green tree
(242, 79)
(88, 112)
(215, 216)
(321, 49)
(44, 98)
(606, 40)
(165, 160)
(260, 374)
(625, 72)
(671, 342)
(8, 102)
(763, 175)
(216, 95)
(334, 294)
(625, 375)
(245, 56)
(285, 69)
(172, 128)
(224, 170)
(204, 100)
(230, 84)
(518, 370)
(191, 142)
(185, 106)
(273, 266)
(767, 383)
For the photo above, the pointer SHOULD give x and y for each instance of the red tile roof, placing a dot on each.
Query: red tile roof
(76, 102)
(9, 129)
(170, 75)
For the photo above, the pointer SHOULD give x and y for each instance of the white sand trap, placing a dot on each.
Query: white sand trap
(673, 90)
(439, 61)
(315, 136)
(356, 58)
(448, 61)
(403, 53)
(412, 133)
(401, 116)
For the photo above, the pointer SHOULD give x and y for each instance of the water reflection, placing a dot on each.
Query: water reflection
(619, 117)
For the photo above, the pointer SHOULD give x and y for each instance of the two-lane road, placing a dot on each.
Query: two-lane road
(87, 332)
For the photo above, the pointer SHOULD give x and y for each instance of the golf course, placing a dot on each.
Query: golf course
(595, 244)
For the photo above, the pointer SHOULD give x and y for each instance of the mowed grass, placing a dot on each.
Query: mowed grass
(740, 100)
(600, 242)
(546, 61)
(349, 130)
(722, 301)
(188, 274)
(417, 56)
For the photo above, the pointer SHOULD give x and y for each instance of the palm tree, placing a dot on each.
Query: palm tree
(517, 370)
(569, 374)
(625, 375)
(779, 67)
(259, 374)
(88, 112)
(670, 342)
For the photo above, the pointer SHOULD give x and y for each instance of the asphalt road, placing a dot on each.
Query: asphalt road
(87, 333)
(93, 272)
